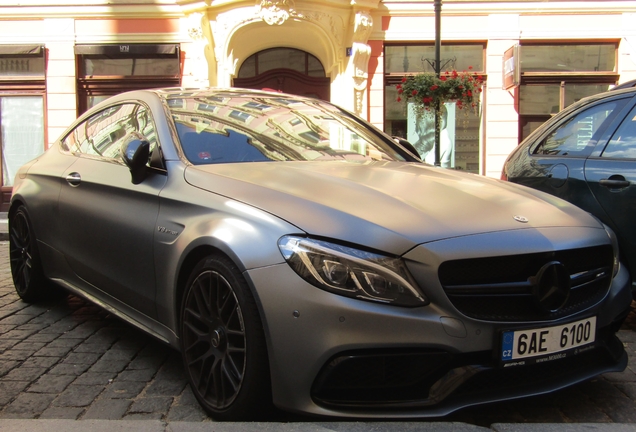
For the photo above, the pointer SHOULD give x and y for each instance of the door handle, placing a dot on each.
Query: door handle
(615, 182)
(74, 179)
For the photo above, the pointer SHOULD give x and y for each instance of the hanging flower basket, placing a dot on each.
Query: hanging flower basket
(426, 90)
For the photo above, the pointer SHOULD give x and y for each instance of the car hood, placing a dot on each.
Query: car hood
(389, 206)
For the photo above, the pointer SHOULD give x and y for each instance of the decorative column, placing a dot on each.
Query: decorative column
(360, 55)
(203, 68)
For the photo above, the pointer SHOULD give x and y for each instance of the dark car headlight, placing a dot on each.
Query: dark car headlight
(614, 240)
(351, 272)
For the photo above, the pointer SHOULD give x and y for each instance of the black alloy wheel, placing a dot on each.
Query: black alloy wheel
(26, 269)
(222, 342)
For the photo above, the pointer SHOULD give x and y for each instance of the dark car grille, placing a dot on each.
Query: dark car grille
(505, 288)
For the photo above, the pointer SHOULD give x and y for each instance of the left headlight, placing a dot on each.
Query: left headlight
(351, 272)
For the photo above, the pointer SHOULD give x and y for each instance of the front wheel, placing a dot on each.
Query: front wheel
(223, 343)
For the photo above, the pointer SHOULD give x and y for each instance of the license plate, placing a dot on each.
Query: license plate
(548, 343)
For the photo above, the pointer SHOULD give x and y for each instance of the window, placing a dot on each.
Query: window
(554, 76)
(461, 129)
(107, 70)
(22, 137)
(623, 143)
(578, 135)
(290, 58)
(102, 134)
(22, 106)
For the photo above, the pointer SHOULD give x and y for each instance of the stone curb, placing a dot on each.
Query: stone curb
(159, 426)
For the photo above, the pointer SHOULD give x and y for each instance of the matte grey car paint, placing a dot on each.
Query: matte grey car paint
(123, 246)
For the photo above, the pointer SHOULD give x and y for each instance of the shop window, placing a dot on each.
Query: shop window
(22, 127)
(460, 140)
(554, 76)
(107, 70)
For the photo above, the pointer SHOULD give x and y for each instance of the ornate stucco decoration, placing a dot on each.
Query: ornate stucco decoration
(276, 12)
(361, 53)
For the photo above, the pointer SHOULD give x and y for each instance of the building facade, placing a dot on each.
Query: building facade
(58, 58)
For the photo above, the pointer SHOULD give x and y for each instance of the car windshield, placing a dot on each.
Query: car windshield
(227, 128)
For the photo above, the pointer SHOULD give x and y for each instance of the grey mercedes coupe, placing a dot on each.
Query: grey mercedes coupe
(300, 258)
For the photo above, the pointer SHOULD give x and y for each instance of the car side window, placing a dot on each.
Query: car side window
(579, 135)
(101, 135)
(623, 142)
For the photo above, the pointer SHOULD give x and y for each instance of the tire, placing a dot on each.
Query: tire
(26, 267)
(223, 343)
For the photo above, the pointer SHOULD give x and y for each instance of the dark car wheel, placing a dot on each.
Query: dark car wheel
(223, 344)
(26, 268)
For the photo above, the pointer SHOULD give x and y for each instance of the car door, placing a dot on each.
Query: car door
(611, 176)
(108, 223)
(557, 161)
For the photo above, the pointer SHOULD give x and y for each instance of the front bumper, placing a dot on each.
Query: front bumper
(329, 354)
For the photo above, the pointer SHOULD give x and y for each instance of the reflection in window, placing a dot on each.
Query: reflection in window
(568, 58)
(308, 131)
(101, 135)
(413, 58)
(578, 135)
(281, 58)
(460, 138)
(623, 143)
(21, 132)
(240, 115)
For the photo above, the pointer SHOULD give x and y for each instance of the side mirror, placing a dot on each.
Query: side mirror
(135, 150)
(407, 146)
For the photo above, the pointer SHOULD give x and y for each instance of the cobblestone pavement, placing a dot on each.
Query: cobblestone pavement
(69, 359)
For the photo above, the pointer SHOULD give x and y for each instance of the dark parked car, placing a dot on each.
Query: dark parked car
(587, 155)
(295, 254)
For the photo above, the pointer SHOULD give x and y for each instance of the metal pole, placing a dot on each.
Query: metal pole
(438, 48)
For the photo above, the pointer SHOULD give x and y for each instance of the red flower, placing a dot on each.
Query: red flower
(400, 90)
(470, 67)
(399, 86)
(414, 92)
(460, 86)
(434, 87)
(403, 79)
(455, 74)
(469, 93)
(399, 99)
(443, 78)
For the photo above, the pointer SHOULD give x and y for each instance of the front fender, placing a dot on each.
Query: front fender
(192, 222)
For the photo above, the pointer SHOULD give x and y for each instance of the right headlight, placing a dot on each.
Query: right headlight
(614, 240)
(351, 272)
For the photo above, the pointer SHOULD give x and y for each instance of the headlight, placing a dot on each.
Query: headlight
(351, 272)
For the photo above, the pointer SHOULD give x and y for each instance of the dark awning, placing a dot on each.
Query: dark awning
(21, 49)
(126, 49)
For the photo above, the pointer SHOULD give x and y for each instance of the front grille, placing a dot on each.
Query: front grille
(503, 288)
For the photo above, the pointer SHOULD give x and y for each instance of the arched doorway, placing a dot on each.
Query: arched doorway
(286, 69)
